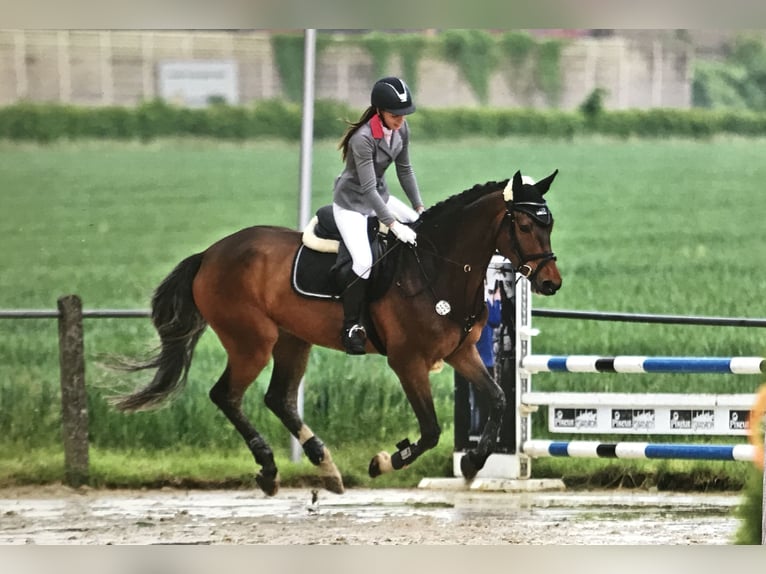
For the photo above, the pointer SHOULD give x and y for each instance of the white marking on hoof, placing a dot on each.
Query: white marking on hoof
(384, 462)
(331, 477)
(327, 466)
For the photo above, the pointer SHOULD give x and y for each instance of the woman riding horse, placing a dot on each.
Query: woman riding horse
(369, 147)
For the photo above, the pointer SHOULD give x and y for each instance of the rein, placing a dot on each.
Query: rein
(525, 269)
(466, 269)
(442, 307)
(470, 319)
(377, 262)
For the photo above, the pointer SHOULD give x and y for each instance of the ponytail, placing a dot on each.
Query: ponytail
(352, 127)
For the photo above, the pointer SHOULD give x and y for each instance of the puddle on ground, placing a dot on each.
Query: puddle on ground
(409, 516)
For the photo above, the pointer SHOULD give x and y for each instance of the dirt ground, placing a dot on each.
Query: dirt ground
(59, 515)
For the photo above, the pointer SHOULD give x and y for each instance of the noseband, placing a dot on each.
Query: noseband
(540, 213)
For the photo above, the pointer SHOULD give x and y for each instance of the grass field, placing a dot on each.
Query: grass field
(641, 226)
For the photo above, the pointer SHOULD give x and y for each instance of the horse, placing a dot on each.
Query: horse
(431, 312)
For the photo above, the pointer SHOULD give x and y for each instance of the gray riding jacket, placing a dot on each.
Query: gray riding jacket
(362, 184)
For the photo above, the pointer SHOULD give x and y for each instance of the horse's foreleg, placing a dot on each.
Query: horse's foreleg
(290, 360)
(473, 460)
(417, 387)
(227, 395)
(470, 366)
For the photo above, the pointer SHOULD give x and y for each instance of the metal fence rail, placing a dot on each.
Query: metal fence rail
(649, 318)
(555, 313)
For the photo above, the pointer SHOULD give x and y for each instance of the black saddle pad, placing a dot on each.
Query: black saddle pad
(325, 275)
(311, 275)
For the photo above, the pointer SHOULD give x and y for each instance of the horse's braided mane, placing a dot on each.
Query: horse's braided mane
(458, 201)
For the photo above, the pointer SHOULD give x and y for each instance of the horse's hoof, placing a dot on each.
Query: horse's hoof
(467, 467)
(268, 484)
(333, 484)
(380, 464)
(329, 473)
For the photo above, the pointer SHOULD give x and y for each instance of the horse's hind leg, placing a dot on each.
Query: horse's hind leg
(290, 360)
(227, 394)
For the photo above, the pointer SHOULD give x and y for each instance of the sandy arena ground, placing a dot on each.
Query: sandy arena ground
(59, 515)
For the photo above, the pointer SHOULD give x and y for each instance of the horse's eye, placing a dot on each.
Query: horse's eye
(525, 228)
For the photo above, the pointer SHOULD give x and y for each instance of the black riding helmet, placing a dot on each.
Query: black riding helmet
(392, 95)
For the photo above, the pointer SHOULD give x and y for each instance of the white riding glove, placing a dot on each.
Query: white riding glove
(403, 233)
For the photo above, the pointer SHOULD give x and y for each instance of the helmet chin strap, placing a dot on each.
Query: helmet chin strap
(382, 119)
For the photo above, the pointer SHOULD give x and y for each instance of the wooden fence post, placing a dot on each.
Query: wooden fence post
(74, 401)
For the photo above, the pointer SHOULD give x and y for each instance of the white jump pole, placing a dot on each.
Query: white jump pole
(524, 334)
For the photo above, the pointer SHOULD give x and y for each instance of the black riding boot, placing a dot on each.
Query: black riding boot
(354, 336)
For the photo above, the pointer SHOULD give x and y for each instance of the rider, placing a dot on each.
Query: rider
(379, 138)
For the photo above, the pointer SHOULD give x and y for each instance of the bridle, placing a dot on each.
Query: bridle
(542, 216)
(538, 212)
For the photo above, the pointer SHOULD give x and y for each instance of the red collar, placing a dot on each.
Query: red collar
(377, 127)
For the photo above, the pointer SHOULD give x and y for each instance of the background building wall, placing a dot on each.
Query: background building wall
(94, 68)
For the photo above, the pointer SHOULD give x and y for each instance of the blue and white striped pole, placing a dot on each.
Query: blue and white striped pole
(591, 449)
(640, 364)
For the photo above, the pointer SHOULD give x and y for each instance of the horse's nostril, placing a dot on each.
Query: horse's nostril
(549, 287)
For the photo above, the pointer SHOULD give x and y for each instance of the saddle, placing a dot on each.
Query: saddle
(322, 264)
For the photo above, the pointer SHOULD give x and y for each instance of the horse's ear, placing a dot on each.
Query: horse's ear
(513, 185)
(544, 184)
(517, 182)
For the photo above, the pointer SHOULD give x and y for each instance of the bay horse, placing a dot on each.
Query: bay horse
(432, 311)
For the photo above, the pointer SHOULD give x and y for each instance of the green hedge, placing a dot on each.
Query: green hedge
(282, 120)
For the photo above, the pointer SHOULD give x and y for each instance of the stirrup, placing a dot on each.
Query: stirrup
(354, 339)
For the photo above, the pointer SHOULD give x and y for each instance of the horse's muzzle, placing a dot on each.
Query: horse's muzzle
(547, 287)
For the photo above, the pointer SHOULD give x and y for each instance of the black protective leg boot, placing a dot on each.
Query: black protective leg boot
(354, 336)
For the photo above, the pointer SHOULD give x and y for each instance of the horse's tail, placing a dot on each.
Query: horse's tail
(179, 325)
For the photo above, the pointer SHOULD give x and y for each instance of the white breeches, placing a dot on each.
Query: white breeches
(353, 228)
(402, 212)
